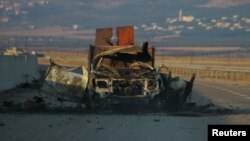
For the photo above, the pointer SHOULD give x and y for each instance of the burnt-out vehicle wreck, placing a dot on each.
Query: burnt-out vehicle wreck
(123, 73)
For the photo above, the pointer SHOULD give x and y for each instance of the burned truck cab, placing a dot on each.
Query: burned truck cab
(123, 72)
(119, 73)
(106, 87)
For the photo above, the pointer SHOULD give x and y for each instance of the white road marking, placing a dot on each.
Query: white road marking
(229, 91)
(243, 95)
(236, 93)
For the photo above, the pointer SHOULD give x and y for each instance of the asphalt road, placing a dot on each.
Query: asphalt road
(132, 127)
(226, 95)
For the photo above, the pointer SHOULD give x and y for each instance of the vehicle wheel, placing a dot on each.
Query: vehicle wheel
(158, 104)
(174, 103)
(97, 104)
(91, 103)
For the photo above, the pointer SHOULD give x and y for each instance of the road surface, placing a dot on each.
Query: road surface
(132, 127)
(235, 97)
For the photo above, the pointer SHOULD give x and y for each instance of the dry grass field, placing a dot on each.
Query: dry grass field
(209, 61)
(55, 31)
(81, 58)
(197, 49)
(64, 58)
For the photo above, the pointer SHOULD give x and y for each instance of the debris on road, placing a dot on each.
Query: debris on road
(157, 120)
(2, 124)
(100, 128)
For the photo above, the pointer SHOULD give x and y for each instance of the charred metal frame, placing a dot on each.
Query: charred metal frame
(119, 72)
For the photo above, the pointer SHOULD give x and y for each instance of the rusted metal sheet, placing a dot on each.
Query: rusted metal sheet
(102, 36)
(62, 82)
(125, 35)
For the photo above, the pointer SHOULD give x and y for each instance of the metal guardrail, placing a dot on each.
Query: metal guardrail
(216, 68)
(212, 72)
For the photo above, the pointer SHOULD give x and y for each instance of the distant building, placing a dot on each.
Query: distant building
(213, 20)
(223, 18)
(235, 17)
(246, 20)
(171, 20)
(208, 28)
(190, 27)
(237, 26)
(17, 52)
(12, 52)
(5, 19)
(136, 27)
(187, 18)
(75, 26)
(143, 26)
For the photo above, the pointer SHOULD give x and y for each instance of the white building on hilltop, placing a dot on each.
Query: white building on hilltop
(187, 18)
(182, 18)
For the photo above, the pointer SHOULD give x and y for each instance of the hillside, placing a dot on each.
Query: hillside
(215, 22)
